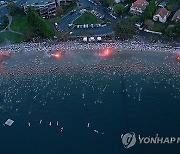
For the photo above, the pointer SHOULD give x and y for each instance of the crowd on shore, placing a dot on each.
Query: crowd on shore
(128, 45)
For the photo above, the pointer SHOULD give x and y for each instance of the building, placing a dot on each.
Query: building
(176, 16)
(3, 3)
(161, 15)
(46, 8)
(162, 4)
(138, 7)
(63, 2)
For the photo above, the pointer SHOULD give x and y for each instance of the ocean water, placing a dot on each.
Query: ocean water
(125, 92)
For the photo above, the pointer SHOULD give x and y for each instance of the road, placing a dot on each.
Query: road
(67, 19)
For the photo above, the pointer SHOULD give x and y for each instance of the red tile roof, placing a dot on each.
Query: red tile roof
(140, 4)
(162, 12)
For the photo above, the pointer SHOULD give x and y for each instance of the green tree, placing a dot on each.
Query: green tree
(150, 10)
(107, 3)
(149, 23)
(134, 19)
(39, 23)
(177, 29)
(118, 9)
(152, 5)
(13, 9)
(147, 14)
(170, 31)
(110, 2)
(124, 29)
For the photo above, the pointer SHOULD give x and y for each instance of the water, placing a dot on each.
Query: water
(126, 92)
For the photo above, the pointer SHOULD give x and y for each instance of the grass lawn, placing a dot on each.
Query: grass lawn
(20, 23)
(54, 19)
(10, 37)
(51, 21)
(87, 18)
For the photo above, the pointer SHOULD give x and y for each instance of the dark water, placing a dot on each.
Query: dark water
(126, 92)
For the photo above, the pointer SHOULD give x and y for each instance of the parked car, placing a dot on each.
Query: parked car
(73, 11)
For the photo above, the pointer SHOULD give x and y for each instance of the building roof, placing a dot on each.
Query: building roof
(162, 4)
(141, 4)
(117, 1)
(176, 16)
(162, 12)
(39, 2)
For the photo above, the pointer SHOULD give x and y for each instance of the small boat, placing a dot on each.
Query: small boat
(96, 131)
(88, 124)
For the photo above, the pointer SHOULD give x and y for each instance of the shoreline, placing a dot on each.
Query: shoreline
(126, 45)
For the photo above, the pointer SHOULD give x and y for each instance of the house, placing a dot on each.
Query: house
(176, 16)
(138, 7)
(46, 8)
(161, 14)
(63, 2)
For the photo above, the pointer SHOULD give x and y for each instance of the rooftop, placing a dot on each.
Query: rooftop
(39, 2)
(176, 16)
(162, 12)
(140, 4)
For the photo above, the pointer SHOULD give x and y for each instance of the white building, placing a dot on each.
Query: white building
(45, 8)
(161, 15)
(138, 7)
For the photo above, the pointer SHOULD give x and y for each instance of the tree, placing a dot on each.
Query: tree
(118, 9)
(150, 10)
(39, 23)
(29, 34)
(110, 2)
(59, 11)
(147, 13)
(149, 23)
(124, 29)
(63, 36)
(107, 3)
(152, 4)
(134, 19)
(13, 9)
(177, 29)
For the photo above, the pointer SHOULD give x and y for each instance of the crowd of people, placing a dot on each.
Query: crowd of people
(46, 47)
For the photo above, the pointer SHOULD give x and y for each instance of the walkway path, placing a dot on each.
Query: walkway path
(8, 28)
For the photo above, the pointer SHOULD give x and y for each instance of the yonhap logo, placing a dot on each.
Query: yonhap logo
(128, 140)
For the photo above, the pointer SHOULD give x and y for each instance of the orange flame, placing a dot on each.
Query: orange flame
(56, 55)
(106, 53)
